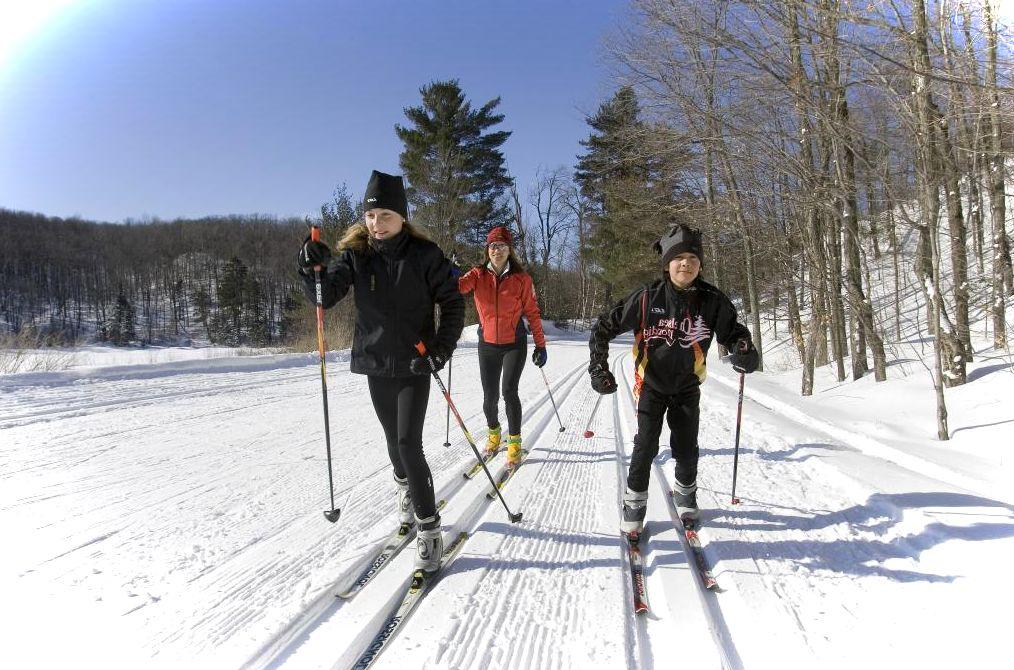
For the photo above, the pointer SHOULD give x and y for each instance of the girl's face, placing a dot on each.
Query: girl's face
(498, 253)
(683, 269)
(383, 224)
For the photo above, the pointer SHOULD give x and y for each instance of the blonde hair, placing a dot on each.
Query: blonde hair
(357, 237)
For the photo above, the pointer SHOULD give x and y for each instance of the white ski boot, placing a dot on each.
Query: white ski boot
(685, 497)
(405, 514)
(635, 506)
(429, 544)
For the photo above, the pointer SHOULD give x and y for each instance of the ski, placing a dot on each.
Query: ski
(506, 475)
(636, 563)
(420, 584)
(477, 468)
(690, 526)
(395, 543)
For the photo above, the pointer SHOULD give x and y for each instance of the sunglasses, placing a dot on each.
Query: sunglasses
(498, 246)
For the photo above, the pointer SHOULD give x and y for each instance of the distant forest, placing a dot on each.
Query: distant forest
(228, 280)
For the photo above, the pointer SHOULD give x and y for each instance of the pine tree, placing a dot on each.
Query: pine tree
(454, 167)
(622, 182)
(121, 325)
(228, 326)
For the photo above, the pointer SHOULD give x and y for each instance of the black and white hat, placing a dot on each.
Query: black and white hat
(678, 239)
(386, 191)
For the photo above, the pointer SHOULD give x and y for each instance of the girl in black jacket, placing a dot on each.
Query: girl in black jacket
(674, 320)
(397, 276)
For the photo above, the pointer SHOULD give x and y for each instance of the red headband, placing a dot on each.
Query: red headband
(499, 234)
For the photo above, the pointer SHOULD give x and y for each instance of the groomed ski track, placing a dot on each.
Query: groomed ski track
(181, 505)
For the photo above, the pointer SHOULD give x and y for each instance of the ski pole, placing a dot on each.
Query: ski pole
(739, 417)
(450, 385)
(421, 348)
(588, 432)
(550, 391)
(332, 514)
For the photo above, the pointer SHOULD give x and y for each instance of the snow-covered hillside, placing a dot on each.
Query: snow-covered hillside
(168, 514)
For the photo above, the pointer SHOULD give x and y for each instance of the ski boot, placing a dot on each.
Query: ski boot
(493, 442)
(635, 506)
(405, 514)
(685, 497)
(514, 452)
(429, 544)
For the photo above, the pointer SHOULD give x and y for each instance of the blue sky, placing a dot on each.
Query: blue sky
(112, 109)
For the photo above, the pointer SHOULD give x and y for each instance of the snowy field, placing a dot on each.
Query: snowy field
(167, 513)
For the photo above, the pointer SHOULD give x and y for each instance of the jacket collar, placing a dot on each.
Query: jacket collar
(506, 269)
(393, 246)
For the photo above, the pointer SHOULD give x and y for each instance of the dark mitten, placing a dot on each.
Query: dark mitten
(745, 358)
(311, 254)
(433, 361)
(540, 356)
(602, 380)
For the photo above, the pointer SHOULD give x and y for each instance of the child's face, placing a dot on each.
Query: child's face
(684, 268)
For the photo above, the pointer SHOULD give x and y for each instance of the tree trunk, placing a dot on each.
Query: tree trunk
(995, 180)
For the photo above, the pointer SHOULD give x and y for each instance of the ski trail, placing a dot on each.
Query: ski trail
(825, 533)
(639, 652)
(681, 608)
(521, 592)
(297, 644)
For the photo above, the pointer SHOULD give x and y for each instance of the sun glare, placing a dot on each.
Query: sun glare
(23, 20)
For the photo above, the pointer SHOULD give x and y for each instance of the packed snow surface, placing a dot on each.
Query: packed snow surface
(168, 513)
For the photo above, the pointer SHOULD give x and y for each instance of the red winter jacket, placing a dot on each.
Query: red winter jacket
(501, 301)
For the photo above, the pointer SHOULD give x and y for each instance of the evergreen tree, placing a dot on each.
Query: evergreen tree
(454, 167)
(628, 196)
(340, 212)
(228, 326)
(202, 307)
(256, 325)
(121, 325)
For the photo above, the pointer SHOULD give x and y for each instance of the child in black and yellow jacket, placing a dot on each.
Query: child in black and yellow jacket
(675, 319)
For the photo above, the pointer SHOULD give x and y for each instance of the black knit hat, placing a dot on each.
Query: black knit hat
(678, 239)
(386, 191)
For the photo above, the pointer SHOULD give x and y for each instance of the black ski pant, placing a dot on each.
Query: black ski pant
(508, 361)
(683, 413)
(400, 403)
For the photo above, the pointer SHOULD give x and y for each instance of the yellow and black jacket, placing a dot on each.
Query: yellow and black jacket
(673, 329)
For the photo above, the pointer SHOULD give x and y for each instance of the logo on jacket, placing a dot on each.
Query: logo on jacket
(687, 331)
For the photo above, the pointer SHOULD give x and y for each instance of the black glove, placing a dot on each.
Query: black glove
(602, 379)
(433, 361)
(745, 358)
(311, 254)
(540, 356)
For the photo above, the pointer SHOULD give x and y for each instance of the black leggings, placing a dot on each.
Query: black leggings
(510, 361)
(683, 413)
(400, 403)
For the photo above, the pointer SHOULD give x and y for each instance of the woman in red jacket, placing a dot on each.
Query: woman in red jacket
(503, 292)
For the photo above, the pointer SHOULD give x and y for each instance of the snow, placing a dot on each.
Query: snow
(167, 513)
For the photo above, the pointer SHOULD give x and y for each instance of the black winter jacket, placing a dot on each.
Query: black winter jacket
(397, 282)
(673, 331)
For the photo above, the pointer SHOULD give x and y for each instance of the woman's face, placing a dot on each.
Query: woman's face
(498, 253)
(683, 269)
(383, 224)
